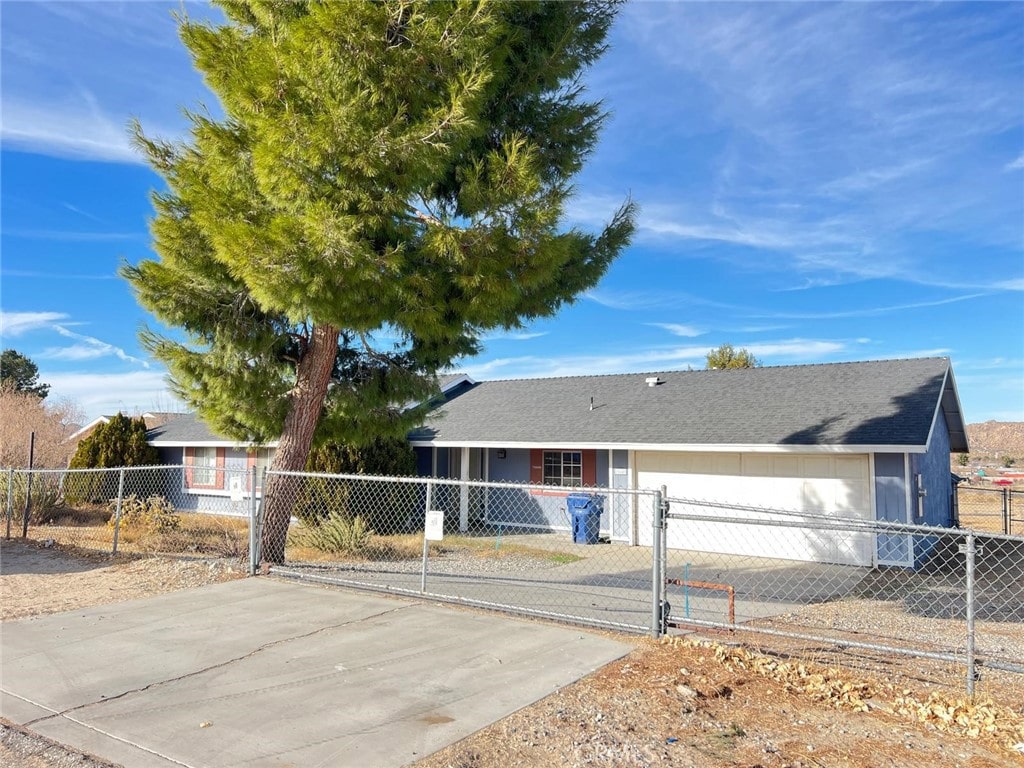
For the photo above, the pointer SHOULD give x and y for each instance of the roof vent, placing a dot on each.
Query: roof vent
(653, 381)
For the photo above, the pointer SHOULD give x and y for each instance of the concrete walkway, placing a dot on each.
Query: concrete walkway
(262, 672)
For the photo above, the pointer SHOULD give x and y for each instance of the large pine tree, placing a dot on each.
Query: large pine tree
(387, 184)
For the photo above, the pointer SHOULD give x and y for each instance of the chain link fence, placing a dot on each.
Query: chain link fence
(846, 591)
(992, 510)
(136, 510)
(953, 597)
(531, 550)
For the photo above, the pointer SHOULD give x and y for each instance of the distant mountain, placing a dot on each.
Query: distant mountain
(997, 438)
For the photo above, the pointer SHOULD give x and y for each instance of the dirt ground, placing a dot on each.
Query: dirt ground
(678, 702)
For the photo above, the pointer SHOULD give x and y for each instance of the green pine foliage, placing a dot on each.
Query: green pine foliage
(393, 172)
(20, 374)
(121, 442)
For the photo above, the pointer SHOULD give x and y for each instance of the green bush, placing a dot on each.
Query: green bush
(154, 514)
(121, 442)
(336, 534)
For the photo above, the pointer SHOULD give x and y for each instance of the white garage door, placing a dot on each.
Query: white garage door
(838, 486)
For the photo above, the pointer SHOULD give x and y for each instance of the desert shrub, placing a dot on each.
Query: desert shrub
(337, 533)
(387, 508)
(154, 514)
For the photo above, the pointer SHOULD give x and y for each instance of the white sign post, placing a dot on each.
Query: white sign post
(433, 530)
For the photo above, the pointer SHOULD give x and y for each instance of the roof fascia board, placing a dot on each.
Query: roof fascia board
(208, 444)
(463, 379)
(678, 448)
(951, 383)
(938, 408)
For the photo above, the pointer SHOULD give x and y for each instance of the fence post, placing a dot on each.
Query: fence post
(969, 551)
(257, 556)
(10, 500)
(117, 511)
(426, 544)
(1006, 511)
(657, 567)
(253, 522)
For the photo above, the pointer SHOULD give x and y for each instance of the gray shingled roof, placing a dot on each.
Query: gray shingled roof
(883, 403)
(181, 429)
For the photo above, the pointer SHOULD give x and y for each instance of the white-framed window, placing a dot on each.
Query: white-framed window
(563, 468)
(204, 467)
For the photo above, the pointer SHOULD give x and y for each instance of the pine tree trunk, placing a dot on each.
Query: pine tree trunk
(307, 403)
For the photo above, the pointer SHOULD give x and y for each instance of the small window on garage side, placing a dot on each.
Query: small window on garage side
(563, 468)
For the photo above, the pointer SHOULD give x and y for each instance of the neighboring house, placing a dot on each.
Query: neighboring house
(865, 440)
(152, 419)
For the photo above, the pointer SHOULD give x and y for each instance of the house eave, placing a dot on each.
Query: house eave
(674, 447)
(209, 444)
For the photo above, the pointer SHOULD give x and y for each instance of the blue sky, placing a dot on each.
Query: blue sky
(819, 182)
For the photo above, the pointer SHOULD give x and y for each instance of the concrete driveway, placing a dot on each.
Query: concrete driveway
(262, 672)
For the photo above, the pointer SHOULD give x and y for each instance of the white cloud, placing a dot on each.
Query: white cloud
(642, 361)
(75, 130)
(1016, 284)
(19, 323)
(870, 311)
(797, 349)
(676, 329)
(90, 348)
(511, 336)
(105, 393)
(1015, 165)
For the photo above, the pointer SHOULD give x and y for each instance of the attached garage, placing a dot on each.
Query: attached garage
(739, 483)
(850, 441)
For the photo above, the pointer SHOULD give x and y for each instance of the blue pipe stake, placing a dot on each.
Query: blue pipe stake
(686, 590)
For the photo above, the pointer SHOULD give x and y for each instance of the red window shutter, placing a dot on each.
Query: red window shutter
(536, 466)
(589, 459)
(219, 482)
(190, 460)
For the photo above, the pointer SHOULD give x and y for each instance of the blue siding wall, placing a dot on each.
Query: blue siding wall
(933, 467)
(514, 468)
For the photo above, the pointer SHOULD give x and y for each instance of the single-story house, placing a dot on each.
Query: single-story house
(862, 440)
(216, 467)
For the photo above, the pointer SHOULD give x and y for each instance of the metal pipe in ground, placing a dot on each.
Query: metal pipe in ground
(969, 551)
(117, 512)
(28, 490)
(253, 522)
(426, 544)
(657, 579)
(10, 500)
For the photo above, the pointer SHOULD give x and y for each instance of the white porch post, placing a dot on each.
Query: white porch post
(464, 493)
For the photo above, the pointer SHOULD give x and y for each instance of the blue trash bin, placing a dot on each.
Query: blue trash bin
(585, 512)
